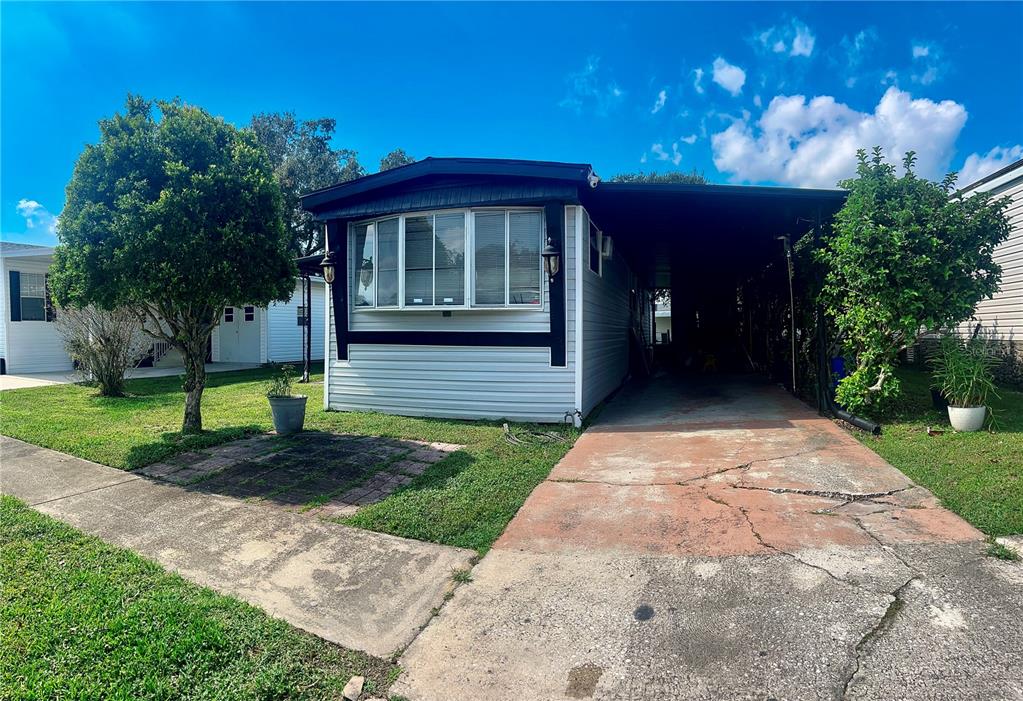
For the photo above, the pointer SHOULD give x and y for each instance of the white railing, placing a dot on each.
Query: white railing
(160, 350)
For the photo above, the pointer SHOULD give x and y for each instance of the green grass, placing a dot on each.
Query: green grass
(977, 475)
(466, 499)
(80, 619)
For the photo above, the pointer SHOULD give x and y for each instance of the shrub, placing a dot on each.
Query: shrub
(963, 371)
(104, 345)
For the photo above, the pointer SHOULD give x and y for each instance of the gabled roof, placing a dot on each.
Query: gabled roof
(11, 249)
(481, 167)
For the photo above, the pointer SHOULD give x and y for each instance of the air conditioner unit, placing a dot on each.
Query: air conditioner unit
(607, 247)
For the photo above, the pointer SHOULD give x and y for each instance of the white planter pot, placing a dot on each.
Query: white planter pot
(288, 413)
(967, 418)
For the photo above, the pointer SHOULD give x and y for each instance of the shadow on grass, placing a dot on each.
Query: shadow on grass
(172, 443)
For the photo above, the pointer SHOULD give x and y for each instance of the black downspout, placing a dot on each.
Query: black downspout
(825, 398)
(307, 329)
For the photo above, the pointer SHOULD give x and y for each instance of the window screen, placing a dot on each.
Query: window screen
(300, 317)
(489, 259)
(387, 260)
(363, 260)
(449, 257)
(524, 230)
(419, 261)
(33, 297)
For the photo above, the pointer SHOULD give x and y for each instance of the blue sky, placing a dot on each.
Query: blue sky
(776, 93)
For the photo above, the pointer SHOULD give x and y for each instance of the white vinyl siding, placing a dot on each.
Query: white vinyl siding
(32, 346)
(460, 381)
(1002, 315)
(605, 335)
(285, 335)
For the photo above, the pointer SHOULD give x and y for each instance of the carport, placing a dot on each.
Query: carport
(721, 251)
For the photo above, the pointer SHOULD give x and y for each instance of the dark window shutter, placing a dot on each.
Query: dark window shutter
(15, 289)
(51, 313)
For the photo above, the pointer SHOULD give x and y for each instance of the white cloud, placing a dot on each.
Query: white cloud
(37, 216)
(921, 51)
(794, 38)
(928, 63)
(978, 166)
(813, 143)
(729, 77)
(757, 101)
(698, 80)
(662, 155)
(642, 159)
(662, 97)
(853, 52)
(691, 139)
(591, 90)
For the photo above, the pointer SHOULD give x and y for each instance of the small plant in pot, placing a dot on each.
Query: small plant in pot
(962, 370)
(288, 409)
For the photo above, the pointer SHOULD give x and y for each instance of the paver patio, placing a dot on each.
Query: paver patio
(719, 540)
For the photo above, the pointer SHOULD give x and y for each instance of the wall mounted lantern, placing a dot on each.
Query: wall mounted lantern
(551, 260)
(327, 265)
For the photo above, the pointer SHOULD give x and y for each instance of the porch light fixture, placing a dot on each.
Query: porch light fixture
(327, 265)
(551, 260)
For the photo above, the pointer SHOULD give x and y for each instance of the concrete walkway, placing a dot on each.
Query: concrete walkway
(721, 541)
(42, 379)
(363, 590)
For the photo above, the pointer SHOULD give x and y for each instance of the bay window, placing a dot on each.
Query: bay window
(448, 259)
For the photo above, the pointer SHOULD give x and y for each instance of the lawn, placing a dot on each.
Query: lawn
(465, 500)
(81, 619)
(977, 475)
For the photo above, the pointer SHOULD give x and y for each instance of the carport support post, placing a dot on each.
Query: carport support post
(307, 327)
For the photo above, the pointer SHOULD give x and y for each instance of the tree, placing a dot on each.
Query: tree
(176, 218)
(676, 177)
(395, 158)
(304, 160)
(104, 344)
(904, 255)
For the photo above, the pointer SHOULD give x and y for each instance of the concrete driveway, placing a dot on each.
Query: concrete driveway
(719, 540)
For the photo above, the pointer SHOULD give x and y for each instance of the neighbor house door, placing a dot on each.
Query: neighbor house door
(239, 335)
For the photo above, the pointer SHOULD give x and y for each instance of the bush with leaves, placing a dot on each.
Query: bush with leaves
(904, 255)
(104, 345)
(963, 370)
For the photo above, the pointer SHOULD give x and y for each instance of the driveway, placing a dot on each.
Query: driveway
(720, 540)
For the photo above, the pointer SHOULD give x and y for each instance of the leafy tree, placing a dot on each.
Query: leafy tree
(395, 158)
(676, 177)
(175, 218)
(304, 160)
(905, 255)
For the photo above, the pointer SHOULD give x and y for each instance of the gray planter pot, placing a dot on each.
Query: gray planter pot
(967, 418)
(289, 414)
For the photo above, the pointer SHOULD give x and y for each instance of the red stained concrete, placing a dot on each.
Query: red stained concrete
(682, 468)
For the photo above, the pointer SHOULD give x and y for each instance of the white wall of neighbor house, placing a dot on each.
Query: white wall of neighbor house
(1002, 315)
(284, 339)
(460, 381)
(30, 346)
(4, 316)
(606, 319)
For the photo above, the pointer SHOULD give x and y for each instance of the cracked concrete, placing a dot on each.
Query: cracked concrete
(722, 541)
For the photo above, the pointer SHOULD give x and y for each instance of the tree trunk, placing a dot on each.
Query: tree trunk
(194, 355)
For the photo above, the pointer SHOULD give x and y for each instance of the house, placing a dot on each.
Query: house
(1002, 315)
(487, 288)
(29, 342)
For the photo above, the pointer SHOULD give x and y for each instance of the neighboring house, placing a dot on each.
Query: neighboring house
(1002, 315)
(662, 323)
(273, 334)
(30, 343)
(441, 305)
(28, 340)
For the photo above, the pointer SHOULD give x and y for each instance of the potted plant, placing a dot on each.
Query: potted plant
(963, 373)
(288, 409)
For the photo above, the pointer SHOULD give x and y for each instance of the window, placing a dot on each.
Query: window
(33, 297)
(595, 258)
(422, 260)
(250, 313)
(300, 316)
(228, 314)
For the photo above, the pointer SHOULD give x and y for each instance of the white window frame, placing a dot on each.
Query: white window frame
(22, 297)
(469, 289)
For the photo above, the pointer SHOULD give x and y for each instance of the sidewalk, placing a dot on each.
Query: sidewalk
(363, 590)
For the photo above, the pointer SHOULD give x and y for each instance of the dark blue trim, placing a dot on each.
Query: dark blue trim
(337, 242)
(452, 338)
(555, 215)
(15, 288)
